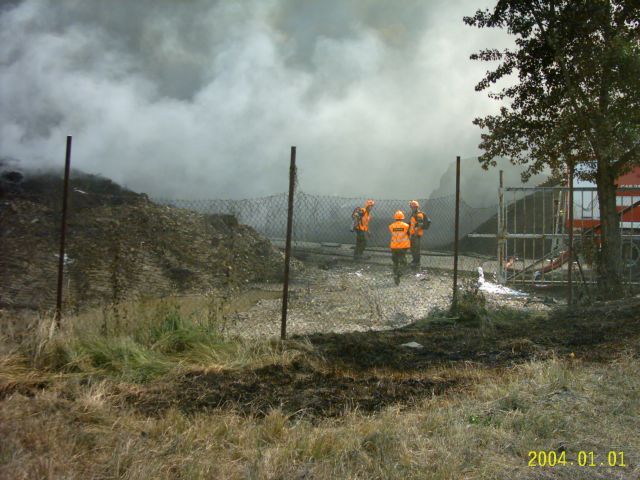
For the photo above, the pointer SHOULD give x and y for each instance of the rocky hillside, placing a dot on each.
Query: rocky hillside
(119, 245)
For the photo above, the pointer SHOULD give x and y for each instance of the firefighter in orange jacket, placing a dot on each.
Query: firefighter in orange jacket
(361, 217)
(399, 244)
(417, 225)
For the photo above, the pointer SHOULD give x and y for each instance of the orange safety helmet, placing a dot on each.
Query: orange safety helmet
(399, 215)
(414, 203)
(369, 203)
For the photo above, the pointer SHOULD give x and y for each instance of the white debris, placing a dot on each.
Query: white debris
(80, 191)
(412, 345)
(490, 287)
(67, 260)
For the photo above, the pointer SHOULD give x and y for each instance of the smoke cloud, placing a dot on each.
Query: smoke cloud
(202, 98)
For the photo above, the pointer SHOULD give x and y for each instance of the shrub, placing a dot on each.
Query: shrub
(472, 304)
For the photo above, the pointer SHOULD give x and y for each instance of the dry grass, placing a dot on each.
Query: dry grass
(62, 415)
(136, 343)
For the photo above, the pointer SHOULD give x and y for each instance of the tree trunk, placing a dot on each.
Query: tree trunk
(609, 260)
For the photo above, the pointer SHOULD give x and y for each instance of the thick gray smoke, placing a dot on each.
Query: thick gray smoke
(202, 98)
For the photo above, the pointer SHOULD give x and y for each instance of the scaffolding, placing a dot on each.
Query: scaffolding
(535, 226)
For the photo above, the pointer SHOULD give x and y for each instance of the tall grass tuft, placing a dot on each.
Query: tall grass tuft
(129, 350)
(144, 344)
(472, 304)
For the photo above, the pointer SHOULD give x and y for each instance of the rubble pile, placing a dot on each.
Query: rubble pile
(119, 245)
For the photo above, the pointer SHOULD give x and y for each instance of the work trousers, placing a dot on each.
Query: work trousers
(399, 258)
(361, 244)
(415, 251)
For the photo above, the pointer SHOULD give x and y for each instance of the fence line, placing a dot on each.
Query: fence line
(327, 219)
(121, 243)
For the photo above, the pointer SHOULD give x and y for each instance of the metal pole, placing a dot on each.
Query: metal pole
(63, 229)
(535, 230)
(454, 304)
(514, 230)
(570, 208)
(544, 240)
(287, 249)
(524, 240)
(501, 276)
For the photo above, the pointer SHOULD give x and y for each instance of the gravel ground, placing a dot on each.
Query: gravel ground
(341, 296)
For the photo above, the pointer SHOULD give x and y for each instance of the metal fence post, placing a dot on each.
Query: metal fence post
(570, 209)
(454, 303)
(287, 249)
(63, 228)
(501, 230)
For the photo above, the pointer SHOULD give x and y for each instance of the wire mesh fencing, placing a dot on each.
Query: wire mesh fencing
(325, 221)
(122, 245)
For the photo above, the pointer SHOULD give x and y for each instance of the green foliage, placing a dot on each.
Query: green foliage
(135, 352)
(472, 304)
(123, 357)
(576, 102)
(577, 97)
(176, 334)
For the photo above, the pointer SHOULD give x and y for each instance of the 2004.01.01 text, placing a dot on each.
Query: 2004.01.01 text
(541, 458)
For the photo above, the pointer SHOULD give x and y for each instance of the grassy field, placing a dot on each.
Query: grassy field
(152, 393)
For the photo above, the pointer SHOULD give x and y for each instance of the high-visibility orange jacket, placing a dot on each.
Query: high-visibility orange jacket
(361, 218)
(399, 235)
(418, 221)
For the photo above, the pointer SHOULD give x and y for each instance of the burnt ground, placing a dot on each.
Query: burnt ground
(370, 370)
(299, 389)
(518, 336)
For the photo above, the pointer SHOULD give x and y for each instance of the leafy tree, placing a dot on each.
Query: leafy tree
(577, 98)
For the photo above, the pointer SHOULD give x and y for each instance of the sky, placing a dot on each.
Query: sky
(204, 98)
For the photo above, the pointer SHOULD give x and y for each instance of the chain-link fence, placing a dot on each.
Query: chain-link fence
(325, 222)
(327, 219)
(123, 245)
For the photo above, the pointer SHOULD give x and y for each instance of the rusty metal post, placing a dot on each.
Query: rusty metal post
(63, 229)
(287, 249)
(454, 303)
(501, 230)
(570, 211)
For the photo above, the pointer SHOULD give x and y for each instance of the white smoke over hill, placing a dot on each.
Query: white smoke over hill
(200, 98)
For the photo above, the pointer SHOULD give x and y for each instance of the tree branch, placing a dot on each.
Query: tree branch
(626, 157)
